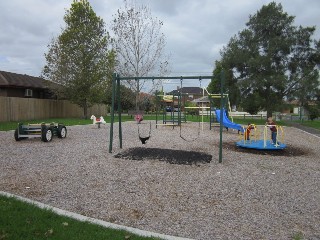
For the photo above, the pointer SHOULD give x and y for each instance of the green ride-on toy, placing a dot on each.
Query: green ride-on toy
(44, 130)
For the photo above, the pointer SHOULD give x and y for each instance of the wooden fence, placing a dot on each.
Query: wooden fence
(18, 109)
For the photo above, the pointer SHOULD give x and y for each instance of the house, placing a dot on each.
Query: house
(24, 86)
(189, 93)
(202, 101)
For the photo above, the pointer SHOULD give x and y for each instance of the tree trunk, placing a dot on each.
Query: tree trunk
(85, 110)
(269, 113)
(137, 101)
(269, 104)
(137, 95)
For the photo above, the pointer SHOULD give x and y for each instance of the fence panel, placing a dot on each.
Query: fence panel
(18, 109)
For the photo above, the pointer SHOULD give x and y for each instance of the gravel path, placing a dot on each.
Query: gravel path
(251, 195)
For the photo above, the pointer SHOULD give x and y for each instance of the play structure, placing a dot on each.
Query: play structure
(97, 121)
(226, 121)
(175, 111)
(116, 97)
(219, 114)
(170, 109)
(224, 98)
(45, 131)
(254, 141)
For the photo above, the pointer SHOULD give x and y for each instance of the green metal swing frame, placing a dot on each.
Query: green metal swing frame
(116, 79)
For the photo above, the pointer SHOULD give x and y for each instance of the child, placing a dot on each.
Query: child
(138, 118)
(247, 132)
(273, 129)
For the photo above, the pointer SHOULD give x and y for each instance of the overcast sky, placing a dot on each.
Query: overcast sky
(195, 30)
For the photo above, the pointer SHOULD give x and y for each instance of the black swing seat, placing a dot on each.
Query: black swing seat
(144, 140)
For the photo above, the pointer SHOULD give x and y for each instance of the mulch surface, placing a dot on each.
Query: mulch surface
(197, 158)
(168, 155)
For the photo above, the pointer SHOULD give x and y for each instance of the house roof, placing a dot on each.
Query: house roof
(8, 79)
(188, 90)
(204, 99)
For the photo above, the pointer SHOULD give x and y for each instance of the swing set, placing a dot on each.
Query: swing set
(116, 79)
(176, 117)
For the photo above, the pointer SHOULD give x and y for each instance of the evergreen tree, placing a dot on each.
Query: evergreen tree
(272, 59)
(230, 84)
(79, 61)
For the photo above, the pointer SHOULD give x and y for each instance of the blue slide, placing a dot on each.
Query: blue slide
(226, 121)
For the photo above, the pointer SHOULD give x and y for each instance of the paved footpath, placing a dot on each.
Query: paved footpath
(310, 130)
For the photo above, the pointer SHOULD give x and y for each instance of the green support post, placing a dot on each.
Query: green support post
(210, 119)
(221, 114)
(112, 111)
(179, 109)
(119, 110)
(179, 103)
(156, 111)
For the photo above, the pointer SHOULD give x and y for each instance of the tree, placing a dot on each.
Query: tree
(303, 84)
(314, 111)
(139, 45)
(252, 102)
(230, 84)
(214, 85)
(126, 95)
(271, 59)
(79, 61)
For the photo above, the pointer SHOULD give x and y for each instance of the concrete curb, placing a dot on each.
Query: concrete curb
(93, 220)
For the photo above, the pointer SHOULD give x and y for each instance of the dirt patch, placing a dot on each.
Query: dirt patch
(289, 151)
(168, 155)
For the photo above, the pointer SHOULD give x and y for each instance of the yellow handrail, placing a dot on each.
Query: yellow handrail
(265, 136)
(282, 133)
(278, 128)
(255, 129)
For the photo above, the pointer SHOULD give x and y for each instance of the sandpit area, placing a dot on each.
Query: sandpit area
(170, 185)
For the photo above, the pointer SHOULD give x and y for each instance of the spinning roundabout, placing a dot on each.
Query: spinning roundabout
(264, 143)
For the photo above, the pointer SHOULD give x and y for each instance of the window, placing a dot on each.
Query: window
(28, 93)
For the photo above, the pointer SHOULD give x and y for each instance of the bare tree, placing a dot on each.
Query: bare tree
(139, 45)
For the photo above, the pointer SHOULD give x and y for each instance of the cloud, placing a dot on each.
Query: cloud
(195, 31)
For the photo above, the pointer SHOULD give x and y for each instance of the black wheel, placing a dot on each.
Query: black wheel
(16, 136)
(46, 134)
(62, 131)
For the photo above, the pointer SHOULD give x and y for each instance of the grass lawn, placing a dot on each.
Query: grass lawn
(313, 124)
(6, 126)
(20, 220)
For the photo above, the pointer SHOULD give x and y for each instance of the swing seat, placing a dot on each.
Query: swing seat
(144, 139)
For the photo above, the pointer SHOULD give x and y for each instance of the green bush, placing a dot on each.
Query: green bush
(314, 112)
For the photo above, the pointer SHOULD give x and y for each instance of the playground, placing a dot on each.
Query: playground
(172, 185)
